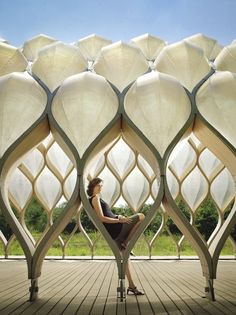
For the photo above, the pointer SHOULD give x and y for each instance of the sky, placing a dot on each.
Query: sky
(71, 20)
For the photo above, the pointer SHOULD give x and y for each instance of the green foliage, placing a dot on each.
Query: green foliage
(206, 218)
(35, 216)
(5, 227)
(185, 211)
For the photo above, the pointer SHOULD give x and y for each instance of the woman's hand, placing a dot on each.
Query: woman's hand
(123, 219)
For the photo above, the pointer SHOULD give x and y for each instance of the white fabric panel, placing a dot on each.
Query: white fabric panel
(34, 162)
(18, 111)
(155, 188)
(121, 158)
(173, 184)
(158, 105)
(135, 189)
(111, 187)
(145, 167)
(223, 189)
(59, 159)
(149, 45)
(183, 160)
(69, 184)
(121, 64)
(209, 45)
(32, 46)
(96, 167)
(194, 188)
(216, 101)
(20, 188)
(185, 62)
(48, 140)
(11, 59)
(90, 46)
(83, 107)
(209, 163)
(226, 60)
(48, 189)
(56, 62)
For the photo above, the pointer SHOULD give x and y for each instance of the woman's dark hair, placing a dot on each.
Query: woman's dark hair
(92, 184)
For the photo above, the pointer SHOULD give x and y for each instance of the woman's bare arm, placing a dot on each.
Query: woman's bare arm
(97, 206)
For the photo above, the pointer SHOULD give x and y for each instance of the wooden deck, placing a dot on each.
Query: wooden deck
(89, 287)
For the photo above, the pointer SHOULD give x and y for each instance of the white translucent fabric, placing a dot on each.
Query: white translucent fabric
(183, 161)
(11, 59)
(173, 184)
(48, 140)
(83, 106)
(149, 45)
(96, 167)
(194, 189)
(159, 107)
(59, 160)
(32, 46)
(18, 111)
(209, 45)
(216, 101)
(185, 62)
(209, 163)
(121, 158)
(111, 188)
(226, 60)
(48, 189)
(154, 188)
(145, 167)
(121, 64)
(56, 62)
(223, 189)
(34, 162)
(69, 184)
(135, 189)
(90, 46)
(20, 189)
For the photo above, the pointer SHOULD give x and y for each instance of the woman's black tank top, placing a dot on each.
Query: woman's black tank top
(112, 228)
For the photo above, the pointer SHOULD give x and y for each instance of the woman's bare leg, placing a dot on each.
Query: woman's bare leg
(131, 233)
(128, 275)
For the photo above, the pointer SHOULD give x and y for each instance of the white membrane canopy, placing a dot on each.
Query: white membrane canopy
(48, 189)
(223, 189)
(121, 64)
(56, 62)
(32, 46)
(83, 106)
(11, 59)
(153, 103)
(149, 45)
(20, 189)
(194, 188)
(226, 60)
(18, 111)
(135, 189)
(209, 45)
(185, 62)
(90, 46)
(216, 101)
(121, 158)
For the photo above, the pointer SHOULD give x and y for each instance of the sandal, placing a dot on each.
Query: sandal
(134, 290)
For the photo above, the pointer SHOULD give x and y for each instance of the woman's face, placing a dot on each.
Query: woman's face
(97, 189)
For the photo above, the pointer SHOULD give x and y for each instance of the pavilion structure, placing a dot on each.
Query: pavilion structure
(155, 121)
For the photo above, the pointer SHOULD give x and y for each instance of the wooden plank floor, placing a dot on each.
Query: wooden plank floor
(89, 287)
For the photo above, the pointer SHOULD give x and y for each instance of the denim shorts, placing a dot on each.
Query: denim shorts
(126, 228)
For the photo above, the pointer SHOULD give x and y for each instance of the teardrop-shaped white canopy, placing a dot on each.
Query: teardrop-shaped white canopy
(158, 105)
(226, 60)
(83, 106)
(121, 64)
